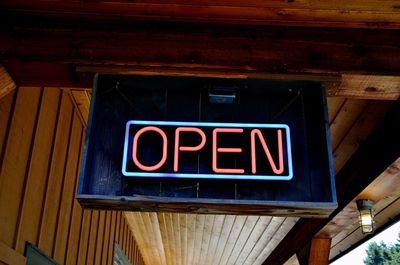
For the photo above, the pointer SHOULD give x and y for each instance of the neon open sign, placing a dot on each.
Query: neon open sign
(207, 150)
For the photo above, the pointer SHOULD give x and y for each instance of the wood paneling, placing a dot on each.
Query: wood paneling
(34, 190)
(172, 238)
(16, 160)
(41, 142)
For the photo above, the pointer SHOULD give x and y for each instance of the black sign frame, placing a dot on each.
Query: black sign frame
(311, 193)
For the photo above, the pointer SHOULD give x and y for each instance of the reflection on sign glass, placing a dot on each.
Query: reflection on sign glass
(207, 150)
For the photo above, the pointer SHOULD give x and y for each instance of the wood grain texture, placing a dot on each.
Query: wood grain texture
(68, 187)
(38, 167)
(383, 191)
(6, 105)
(54, 182)
(84, 237)
(92, 238)
(319, 252)
(367, 87)
(345, 240)
(302, 13)
(16, 159)
(343, 121)
(359, 131)
(10, 256)
(180, 238)
(6, 83)
(188, 48)
(41, 144)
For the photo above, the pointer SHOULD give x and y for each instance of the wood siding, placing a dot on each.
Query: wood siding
(41, 138)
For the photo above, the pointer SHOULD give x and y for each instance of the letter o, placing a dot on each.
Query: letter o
(134, 151)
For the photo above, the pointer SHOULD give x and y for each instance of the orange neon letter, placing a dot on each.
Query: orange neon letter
(255, 132)
(186, 148)
(216, 150)
(135, 144)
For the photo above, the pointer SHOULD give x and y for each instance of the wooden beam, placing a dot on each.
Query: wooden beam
(366, 87)
(35, 52)
(319, 253)
(360, 14)
(378, 152)
(6, 83)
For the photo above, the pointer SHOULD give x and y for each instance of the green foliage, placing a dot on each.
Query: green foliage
(381, 254)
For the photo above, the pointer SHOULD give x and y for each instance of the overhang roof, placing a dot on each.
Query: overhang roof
(350, 46)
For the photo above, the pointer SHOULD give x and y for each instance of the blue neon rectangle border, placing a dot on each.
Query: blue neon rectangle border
(207, 176)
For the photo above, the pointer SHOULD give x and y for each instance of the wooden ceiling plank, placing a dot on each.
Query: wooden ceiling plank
(200, 219)
(155, 230)
(233, 236)
(191, 237)
(386, 184)
(345, 119)
(164, 236)
(208, 226)
(223, 238)
(262, 242)
(152, 257)
(6, 82)
(176, 228)
(242, 239)
(334, 106)
(253, 239)
(215, 236)
(364, 166)
(171, 236)
(183, 236)
(365, 123)
(132, 220)
(278, 234)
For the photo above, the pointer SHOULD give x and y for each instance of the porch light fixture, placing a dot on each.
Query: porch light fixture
(366, 216)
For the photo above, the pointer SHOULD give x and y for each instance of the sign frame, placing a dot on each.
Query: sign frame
(94, 193)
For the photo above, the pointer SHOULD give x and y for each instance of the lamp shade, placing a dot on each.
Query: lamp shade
(366, 216)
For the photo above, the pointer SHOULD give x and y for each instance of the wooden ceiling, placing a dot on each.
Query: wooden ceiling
(186, 239)
(351, 46)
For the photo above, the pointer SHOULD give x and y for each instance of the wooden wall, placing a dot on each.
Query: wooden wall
(41, 138)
